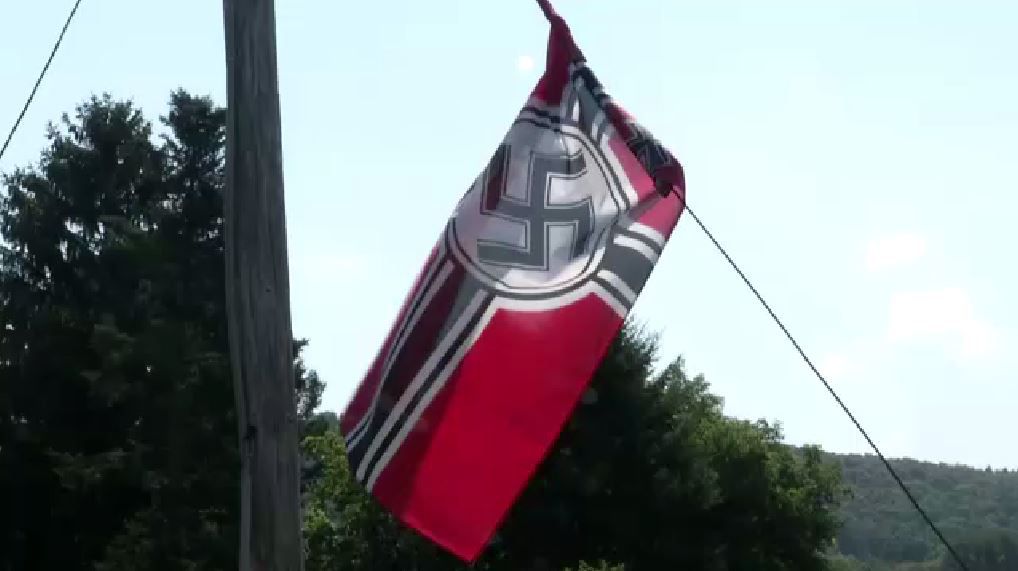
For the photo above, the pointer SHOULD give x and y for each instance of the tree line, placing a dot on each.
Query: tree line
(118, 440)
(977, 509)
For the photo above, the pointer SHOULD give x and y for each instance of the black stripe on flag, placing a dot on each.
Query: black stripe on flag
(650, 243)
(631, 266)
(397, 342)
(620, 298)
(358, 457)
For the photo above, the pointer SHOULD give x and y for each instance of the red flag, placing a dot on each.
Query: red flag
(514, 309)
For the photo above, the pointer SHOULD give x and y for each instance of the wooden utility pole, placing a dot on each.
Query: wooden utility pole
(258, 294)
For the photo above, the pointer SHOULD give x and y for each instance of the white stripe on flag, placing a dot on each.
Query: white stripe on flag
(633, 226)
(610, 300)
(427, 296)
(425, 371)
(437, 385)
(618, 283)
(638, 245)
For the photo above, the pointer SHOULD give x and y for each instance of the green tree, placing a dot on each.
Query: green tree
(648, 473)
(985, 550)
(118, 439)
(882, 525)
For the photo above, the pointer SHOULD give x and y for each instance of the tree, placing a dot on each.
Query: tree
(985, 550)
(117, 435)
(648, 474)
(880, 524)
(118, 441)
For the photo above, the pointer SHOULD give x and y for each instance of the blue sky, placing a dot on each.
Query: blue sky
(856, 157)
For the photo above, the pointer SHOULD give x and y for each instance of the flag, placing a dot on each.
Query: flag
(514, 309)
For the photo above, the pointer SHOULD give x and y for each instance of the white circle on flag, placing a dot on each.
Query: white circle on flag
(536, 222)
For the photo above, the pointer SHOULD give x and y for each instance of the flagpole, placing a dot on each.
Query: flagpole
(258, 295)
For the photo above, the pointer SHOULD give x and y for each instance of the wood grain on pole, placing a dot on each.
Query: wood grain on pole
(258, 294)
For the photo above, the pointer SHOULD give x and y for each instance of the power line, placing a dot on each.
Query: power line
(710, 236)
(42, 74)
(827, 385)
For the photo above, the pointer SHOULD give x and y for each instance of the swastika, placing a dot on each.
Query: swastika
(535, 211)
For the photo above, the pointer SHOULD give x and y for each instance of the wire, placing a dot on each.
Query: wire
(38, 81)
(827, 385)
(720, 248)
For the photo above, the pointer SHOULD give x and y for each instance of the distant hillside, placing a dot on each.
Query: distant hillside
(881, 524)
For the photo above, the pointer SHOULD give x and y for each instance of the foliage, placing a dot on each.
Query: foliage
(880, 524)
(648, 473)
(118, 441)
(601, 566)
(117, 434)
(842, 563)
(345, 530)
(986, 550)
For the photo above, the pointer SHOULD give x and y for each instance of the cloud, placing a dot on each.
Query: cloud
(944, 315)
(524, 64)
(894, 251)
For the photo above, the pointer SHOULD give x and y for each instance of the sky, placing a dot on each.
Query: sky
(857, 159)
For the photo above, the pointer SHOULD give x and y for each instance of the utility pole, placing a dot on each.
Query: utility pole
(258, 294)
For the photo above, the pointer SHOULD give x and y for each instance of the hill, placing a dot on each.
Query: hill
(880, 524)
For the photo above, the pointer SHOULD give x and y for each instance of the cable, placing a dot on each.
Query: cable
(827, 385)
(721, 249)
(42, 74)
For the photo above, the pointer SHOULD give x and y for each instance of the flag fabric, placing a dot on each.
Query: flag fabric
(514, 309)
